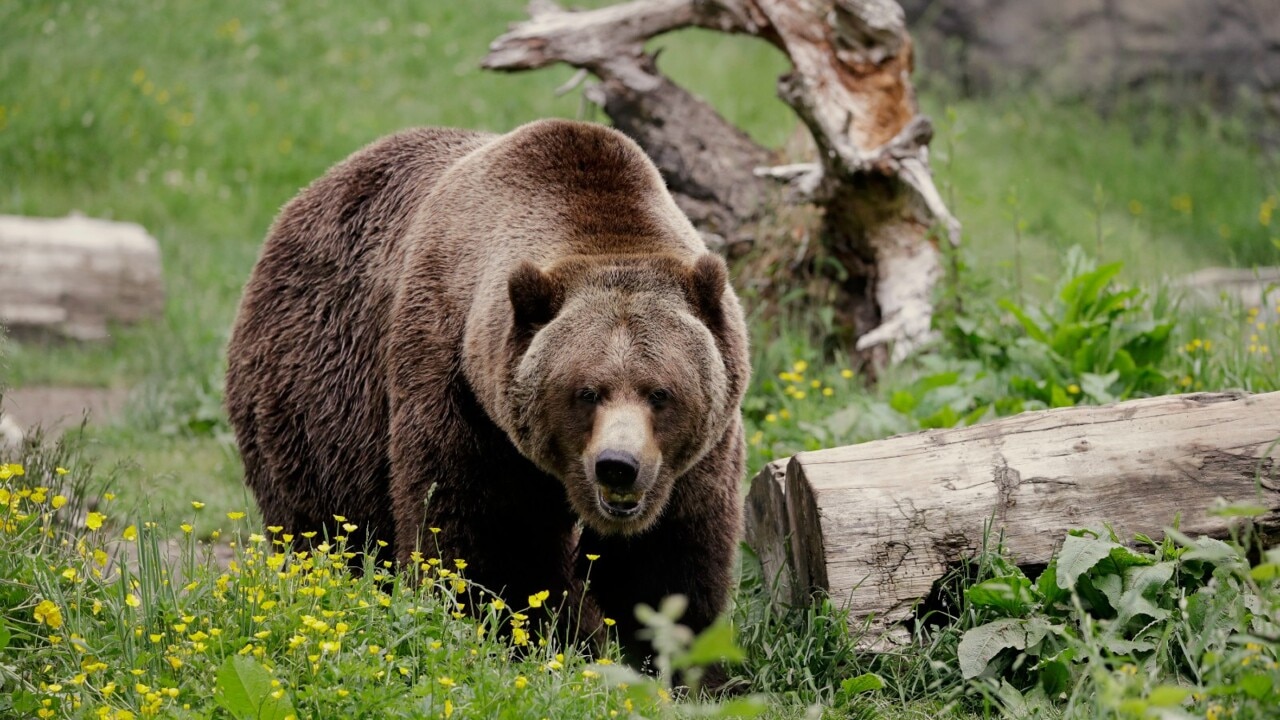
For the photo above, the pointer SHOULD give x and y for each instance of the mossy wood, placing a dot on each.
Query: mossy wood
(850, 84)
(876, 525)
(73, 277)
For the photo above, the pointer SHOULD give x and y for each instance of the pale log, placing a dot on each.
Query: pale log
(768, 531)
(75, 276)
(875, 525)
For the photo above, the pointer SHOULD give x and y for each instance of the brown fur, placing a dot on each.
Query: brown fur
(448, 328)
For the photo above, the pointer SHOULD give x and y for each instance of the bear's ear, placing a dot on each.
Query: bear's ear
(535, 297)
(705, 285)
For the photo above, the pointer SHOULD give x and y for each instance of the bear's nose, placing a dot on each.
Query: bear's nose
(617, 469)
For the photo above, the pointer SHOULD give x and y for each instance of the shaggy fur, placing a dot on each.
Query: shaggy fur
(449, 329)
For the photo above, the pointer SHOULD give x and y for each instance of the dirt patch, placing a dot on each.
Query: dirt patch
(55, 409)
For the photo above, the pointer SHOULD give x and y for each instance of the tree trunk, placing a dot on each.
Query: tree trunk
(74, 276)
(851, 87)
(876, 525)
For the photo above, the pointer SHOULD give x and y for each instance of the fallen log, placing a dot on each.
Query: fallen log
(75, 276)
(875, 525)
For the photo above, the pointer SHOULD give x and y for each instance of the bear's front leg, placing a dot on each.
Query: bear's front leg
(691, 550)
(461, 492)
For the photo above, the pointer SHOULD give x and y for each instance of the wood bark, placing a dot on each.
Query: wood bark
(75, 276)
(876, 525)
(850, 85)
(766, 527)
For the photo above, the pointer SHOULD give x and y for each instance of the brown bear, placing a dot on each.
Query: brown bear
(518, 341)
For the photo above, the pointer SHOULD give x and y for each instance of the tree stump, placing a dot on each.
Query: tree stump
(75, 276)
(850, 85)
(876, 525)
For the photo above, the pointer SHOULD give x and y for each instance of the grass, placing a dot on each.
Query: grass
(200, 120)
(276, 634)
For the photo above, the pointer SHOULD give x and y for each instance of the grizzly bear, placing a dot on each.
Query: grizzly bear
(516, 341)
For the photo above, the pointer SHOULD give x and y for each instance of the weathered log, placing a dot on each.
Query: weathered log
(11, 435)
(850, 85)
(75, 276)
(1257, 287)
(766, 528)
(875, 525)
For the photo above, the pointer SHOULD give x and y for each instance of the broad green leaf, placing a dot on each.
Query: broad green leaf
(1168, 695)
(4, 635)
(1111, 586)
(1124, 363)
(1082, 292)
(1028, 324)
(981, 644)
(244, 690)
(945, 417)
(1011, 595)
(25, 701)
(903, 401)
(1256, 685)
(1210, 550)
(1125, 557)
(866, 682)
(1058, 397)
(713, 645)
(1140, 582)
(1078, 556)
(1266, 572)
(1098, 387)
(937, 380)
(1047, 586)
(1055, 678)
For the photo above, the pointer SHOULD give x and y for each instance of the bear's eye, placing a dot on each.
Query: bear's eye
(591, 396)
(659, 398)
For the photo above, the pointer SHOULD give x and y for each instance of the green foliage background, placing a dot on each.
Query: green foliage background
(199, 120)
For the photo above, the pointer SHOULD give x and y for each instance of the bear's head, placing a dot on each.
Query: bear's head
(620, 384)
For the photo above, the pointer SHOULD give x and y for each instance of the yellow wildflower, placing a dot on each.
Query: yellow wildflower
(48, 613)
(94, 520)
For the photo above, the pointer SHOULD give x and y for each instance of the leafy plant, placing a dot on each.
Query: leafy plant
(1096, 338)
(1185, 621)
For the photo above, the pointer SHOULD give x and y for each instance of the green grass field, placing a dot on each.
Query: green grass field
(199, 120)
